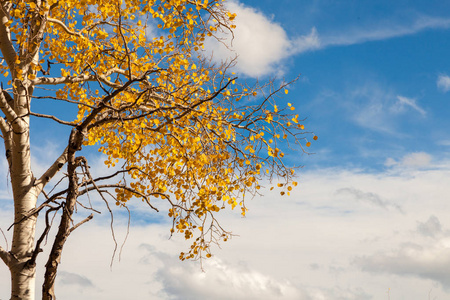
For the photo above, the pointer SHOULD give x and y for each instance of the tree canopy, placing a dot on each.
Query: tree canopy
(145, 92)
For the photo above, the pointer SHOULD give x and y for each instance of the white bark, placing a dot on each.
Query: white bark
(25, 198)
(6, 46)
(15, 129)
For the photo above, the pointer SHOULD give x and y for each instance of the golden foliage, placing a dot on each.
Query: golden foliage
(147, 95)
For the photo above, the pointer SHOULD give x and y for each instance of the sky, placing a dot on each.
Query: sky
(370, 218)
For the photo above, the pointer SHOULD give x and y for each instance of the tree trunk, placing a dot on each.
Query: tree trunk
(25, 198)
(23, 273)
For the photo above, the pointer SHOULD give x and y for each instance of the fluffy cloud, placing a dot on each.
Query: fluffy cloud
(220, 280)
(259, 43)
(443, 83)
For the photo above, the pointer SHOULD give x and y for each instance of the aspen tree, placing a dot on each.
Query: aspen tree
(171, 124)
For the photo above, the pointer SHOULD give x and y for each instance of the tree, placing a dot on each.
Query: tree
(144, 93)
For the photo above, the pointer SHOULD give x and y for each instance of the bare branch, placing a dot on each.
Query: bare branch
(6, 240)
(52, 117)
(32, 212)
(81, 223)
(65, 100)
(88, 208)
(5, 256)
(48, 225)
(115, 174)
(86, 170)
(52, 171)
(128, 232)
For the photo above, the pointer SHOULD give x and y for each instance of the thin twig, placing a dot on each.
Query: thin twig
(81, 223)
(4, 236)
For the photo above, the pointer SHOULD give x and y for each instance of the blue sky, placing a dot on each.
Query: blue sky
(370, 218)
(369, 75)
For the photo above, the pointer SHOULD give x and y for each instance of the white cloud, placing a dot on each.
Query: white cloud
(306, 42)
(259, 42)
(414, 160)
(443, 83)
(348, 242)
(262, 44)
(404, 101)
(384, 29)
(430, 261)
(222, 281)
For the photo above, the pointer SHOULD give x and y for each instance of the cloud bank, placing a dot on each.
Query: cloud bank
(314, 245)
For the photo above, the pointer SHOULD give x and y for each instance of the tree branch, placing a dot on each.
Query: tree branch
(5, 256)
(80, 78)
(6, 46)
(48, 225)
(5, 128)
(107, 98)
(81, 223)
(52, 117)
(6, 108)
(64, 27)
(51, 172)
